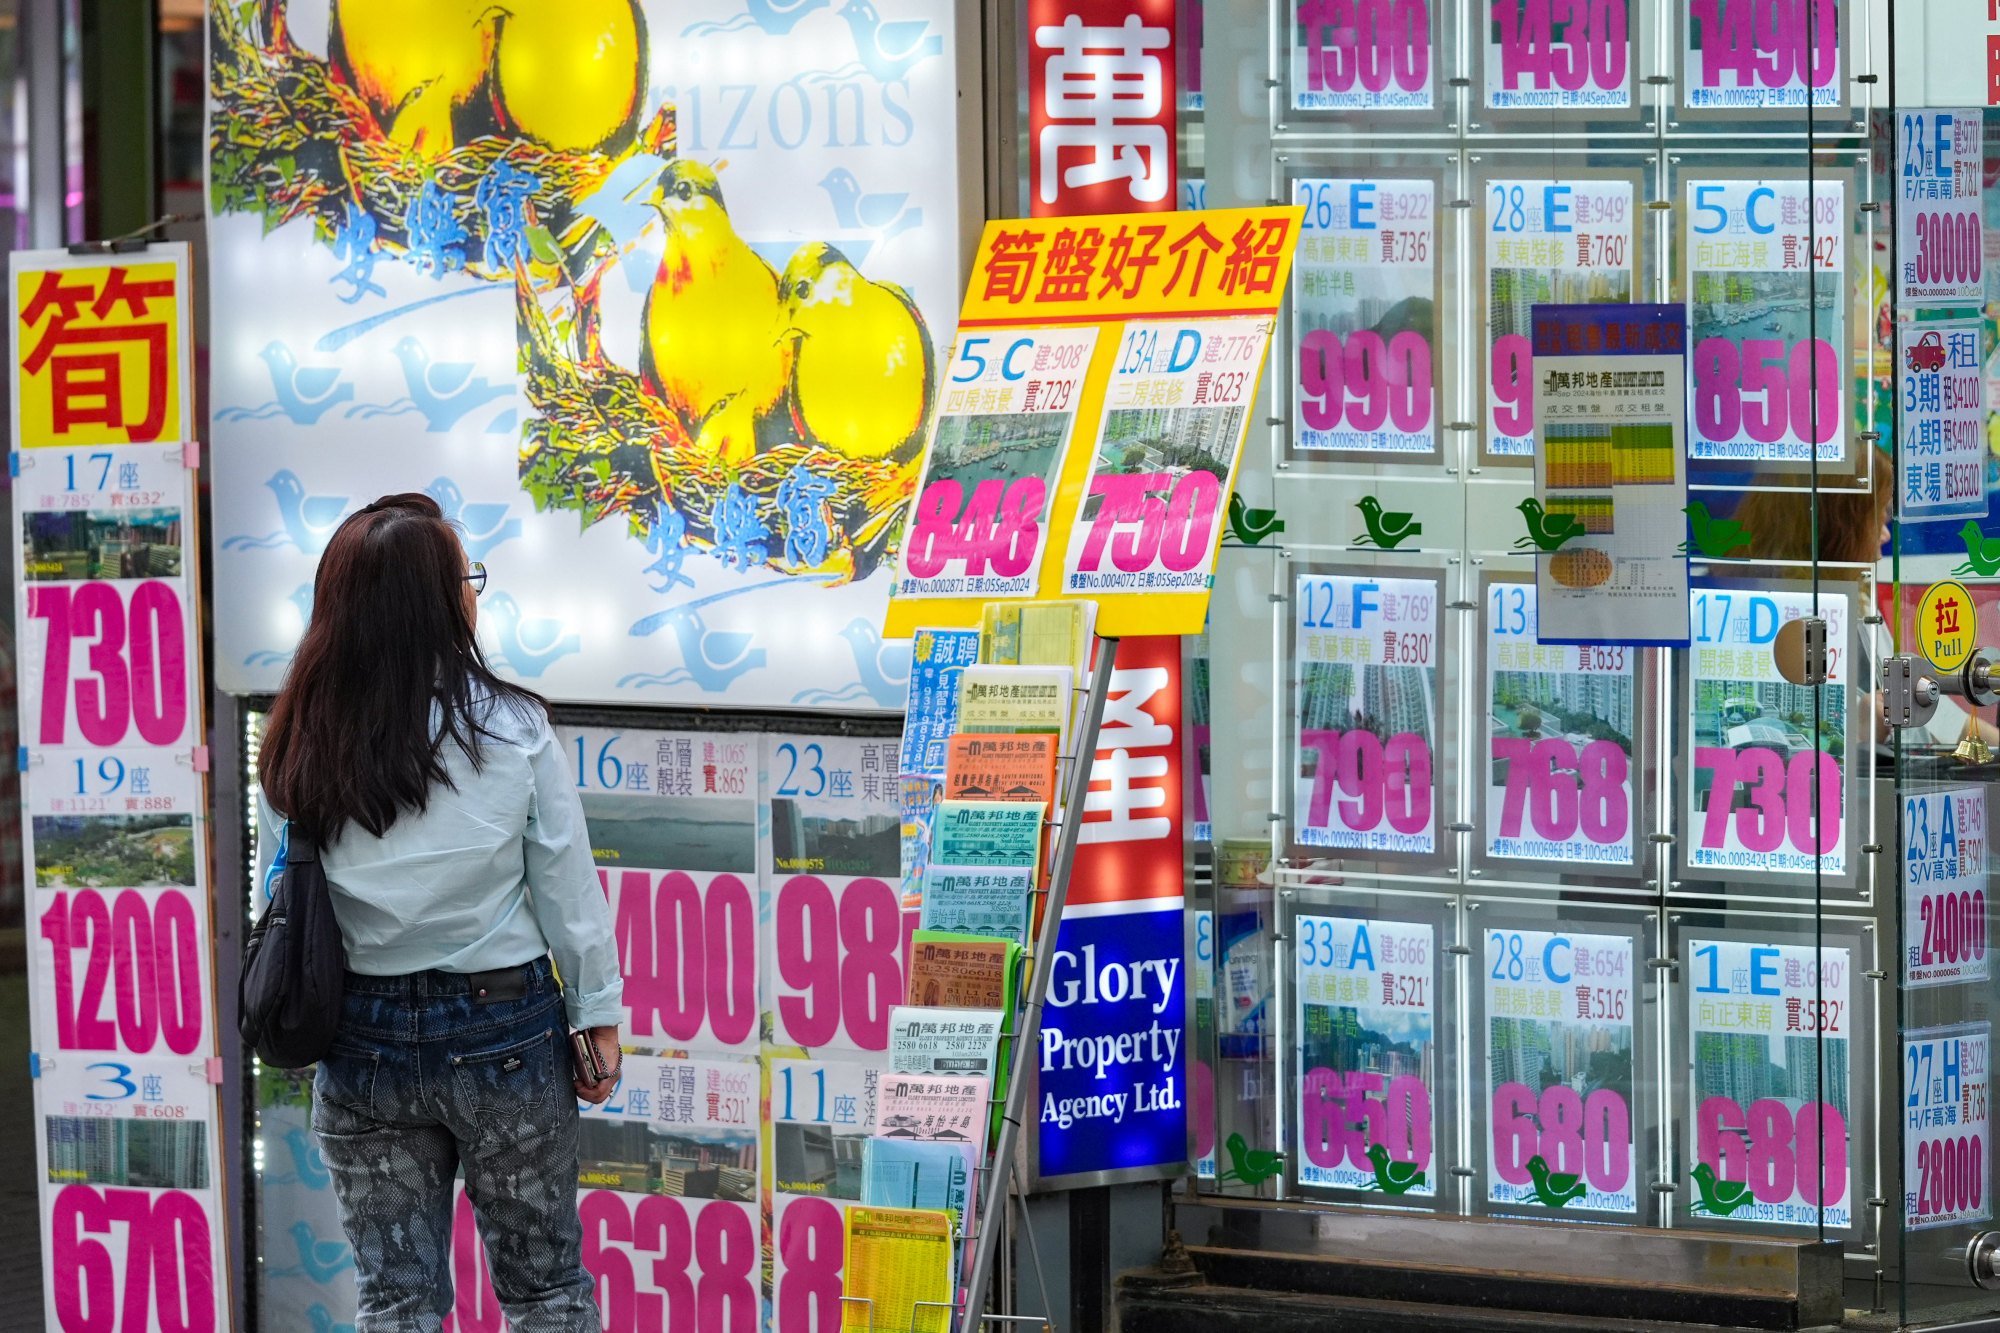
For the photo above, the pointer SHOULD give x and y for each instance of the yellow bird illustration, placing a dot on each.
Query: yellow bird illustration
(862, 356)
(712, 352)
(437, 73)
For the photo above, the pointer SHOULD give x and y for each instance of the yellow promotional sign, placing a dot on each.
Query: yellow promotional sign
(1092, 415)
(1946, 621)
(100, 347)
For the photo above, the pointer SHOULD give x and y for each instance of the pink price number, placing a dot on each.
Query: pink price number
(1342, 1116)
(1375, 780)
(1954, 927)
(1141, 527)
(1779, 792)
(136, 662)
(1765, 43)
(688, 957)
(657, 1268)
(1560, 791)
(1574, 44)
(810, 1259)
(1369, 42)
(1588, 1137)
(1766, 390)
(840, 961)
(1365, 381)
(168, 1277)
(145, 947)
(1511, 384)
(1201, 1091)
(1000, 526)
(1949, 248)
(1775, 1150)
(1951, 1176)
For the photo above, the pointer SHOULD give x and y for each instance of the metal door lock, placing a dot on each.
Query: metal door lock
(1909, 698)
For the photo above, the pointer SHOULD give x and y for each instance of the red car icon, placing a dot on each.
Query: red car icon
(1928, 354)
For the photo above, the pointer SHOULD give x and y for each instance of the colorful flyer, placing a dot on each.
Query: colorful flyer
(996, 448)
(1367, 1055)
(937, 658)
(899, 1270)
(1947, 1162)
(1942, 387)
(1767, 797)
(1610, 498)
(1944, 887)
(1939, 231)
(1556, 57)
(1379, 56)
(1560, 1010)
(960, 1042)
(1364, 318)
(1546, 242)
(1768, 1055)
(1559, 757)
(1367, 713)
(1757, 55)
(1766, 284)
(1176, 410)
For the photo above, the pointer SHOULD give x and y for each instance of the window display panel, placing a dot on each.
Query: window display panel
(1747, 56)
(1378, 58)
(1562, 68)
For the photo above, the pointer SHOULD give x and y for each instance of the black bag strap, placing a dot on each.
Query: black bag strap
(299, 846)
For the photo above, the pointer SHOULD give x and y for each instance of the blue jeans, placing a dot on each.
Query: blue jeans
(426, 1079)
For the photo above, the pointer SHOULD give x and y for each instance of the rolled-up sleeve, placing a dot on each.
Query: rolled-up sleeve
(563, 888)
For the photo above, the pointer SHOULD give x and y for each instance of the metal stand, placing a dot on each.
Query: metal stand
(1000, 1175)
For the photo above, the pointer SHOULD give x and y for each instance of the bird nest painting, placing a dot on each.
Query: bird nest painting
(773, 417)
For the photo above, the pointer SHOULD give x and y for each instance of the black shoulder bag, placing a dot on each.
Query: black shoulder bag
(294, 966)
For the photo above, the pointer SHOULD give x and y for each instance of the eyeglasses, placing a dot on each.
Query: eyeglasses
(475, 574)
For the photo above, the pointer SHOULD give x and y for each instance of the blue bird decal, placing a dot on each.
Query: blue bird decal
(301, 393)
(889, 50)
(883, 668)
(322, 1321)
(306, 1158)
(530, 647)
(309, 520)
(855, 211)
(323, 1260)
(441, 391)
(776, 17)
(712, 658)
(481, 527)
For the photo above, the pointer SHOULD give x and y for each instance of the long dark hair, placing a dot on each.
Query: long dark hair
(352, 737)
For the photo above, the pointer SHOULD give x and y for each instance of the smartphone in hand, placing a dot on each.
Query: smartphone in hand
(590, 1069)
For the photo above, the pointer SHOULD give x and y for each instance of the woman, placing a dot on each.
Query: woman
(454, 845)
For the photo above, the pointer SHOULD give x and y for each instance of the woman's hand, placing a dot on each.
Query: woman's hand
(605, 1039)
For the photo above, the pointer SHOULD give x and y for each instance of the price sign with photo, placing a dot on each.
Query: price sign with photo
(1561, 722)
(1767, 796)
(821, 1113)
(1004, 422)
(1366, 55)
(1939, 380)
(1364, 318)
(1766, 273)
(1560, 1009)
(1939, 229)
(1366, 692)
(1770, 1140)
(1944, 879)
(1947, 1164)
(1367, 1055)
(1560, 55)
(1544, 242)
(1176, 410)
(110, 482)
(1757, 55)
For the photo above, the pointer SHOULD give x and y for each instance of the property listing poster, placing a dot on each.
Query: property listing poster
(1176, 410)
(1561, 722)
(1544, 242)
(1367, 1057)
(1540, 57)
(1939, 230)
(1743, 56)
(1560, 1009)
(1766, 297)
(1944, 878)
(1768, 796)
(1371, 57)
(1611, 474)
(1367, 713)
(1941, 383)
(821, 1113)
(1364, 318)
(1947, 1144)
(1764, 1019)
(995, 452)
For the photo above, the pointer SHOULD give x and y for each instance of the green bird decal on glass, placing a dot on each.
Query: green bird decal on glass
(1252, 525)
(1982, 553)
(1719, 1198)
(1393, 1177)
(1713, 537)
(1252, 1166)
(1554, 1188)
(1386, 528)
(1546, 531)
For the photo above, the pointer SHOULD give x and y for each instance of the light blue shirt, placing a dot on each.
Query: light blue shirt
(493, 874)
